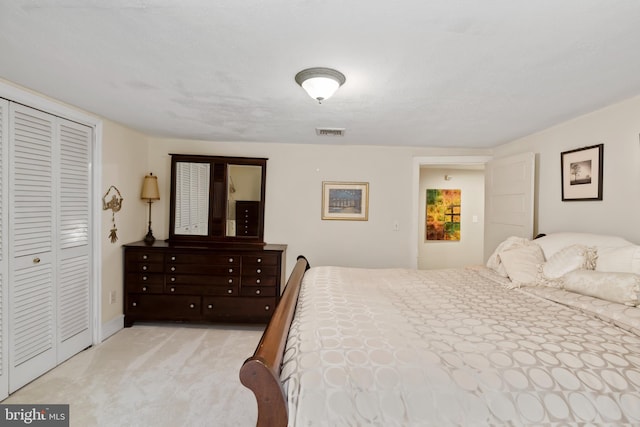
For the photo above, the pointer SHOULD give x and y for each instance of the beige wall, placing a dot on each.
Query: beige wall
(469, 250)
(124, 165)
(295, 173)
(618, 128)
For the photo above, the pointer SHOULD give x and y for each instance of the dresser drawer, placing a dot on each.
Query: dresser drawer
(196, 279)
(261, 291)
(145, 256)
(259, 280)
(262, 259)
(245, 308)
(204, 259)
(185, 288)
(145, 288)
(145, 278)
(144, 267)
(164, 306)
(257, 270)
(219, 270)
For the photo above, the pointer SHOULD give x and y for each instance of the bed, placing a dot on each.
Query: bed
(547, 333)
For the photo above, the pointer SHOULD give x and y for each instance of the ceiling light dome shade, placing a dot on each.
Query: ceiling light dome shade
(320, 83)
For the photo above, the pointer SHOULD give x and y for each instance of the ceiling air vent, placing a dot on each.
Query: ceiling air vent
(330, 131)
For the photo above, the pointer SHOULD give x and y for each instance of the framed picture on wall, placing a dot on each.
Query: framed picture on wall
(443, 213)
(345, 200)
(581, 171)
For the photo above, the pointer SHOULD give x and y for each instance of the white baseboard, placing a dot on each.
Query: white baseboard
(112, 326)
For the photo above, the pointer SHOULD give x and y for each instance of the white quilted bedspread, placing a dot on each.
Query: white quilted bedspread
(402, 347)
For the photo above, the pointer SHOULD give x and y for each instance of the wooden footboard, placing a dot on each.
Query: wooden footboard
(261, 372)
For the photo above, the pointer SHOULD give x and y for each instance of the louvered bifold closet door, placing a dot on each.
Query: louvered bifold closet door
(192, 185)
(74, 317)
(4, 243)
(32, 311)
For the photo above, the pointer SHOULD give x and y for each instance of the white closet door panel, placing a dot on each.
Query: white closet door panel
(32, 292)
(74, 296)
(74, 283)
(74, 315)
(32, 323)
(75, 145)
(32, 188)
(4, 263)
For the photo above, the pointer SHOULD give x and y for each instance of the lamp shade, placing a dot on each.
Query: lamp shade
(320, 83)
(150, 188)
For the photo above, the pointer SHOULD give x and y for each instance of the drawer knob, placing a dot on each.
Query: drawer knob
(230, 259)
(173, 269)
(145, 257)
(258, 271)
(267, 308)
(257, 291)
(259, 259)
(231, 270)
(230, 281)
(229, 291)
(173, 289)
(173, 258)
(144, 289)
(144, 268)
(258, 281)
(135, 304)
(210, 306)
(144, 278)
(192, 305)
(173, 279)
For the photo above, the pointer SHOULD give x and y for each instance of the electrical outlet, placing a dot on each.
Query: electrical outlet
(112, 297)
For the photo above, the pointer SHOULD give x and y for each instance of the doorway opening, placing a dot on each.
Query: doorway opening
(431, 171)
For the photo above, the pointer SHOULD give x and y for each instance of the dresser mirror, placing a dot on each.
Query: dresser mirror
(244, 194)
(217, 199)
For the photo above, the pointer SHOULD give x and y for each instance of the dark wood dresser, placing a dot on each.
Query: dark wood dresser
(202, 282)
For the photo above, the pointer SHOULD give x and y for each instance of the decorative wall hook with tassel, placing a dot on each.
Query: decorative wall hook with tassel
(115, 204)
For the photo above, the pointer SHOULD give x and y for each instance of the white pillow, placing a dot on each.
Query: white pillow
(521, 264)
(553, 243)
(574, 257)
(623, 288)
(625, 259)
(494, 261)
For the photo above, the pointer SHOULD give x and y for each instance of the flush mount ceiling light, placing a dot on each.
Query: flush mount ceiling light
(319, 82)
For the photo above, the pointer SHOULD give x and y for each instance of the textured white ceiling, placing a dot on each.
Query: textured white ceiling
(444, 73)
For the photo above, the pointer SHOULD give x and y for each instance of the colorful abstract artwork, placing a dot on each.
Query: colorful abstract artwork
(443, 214)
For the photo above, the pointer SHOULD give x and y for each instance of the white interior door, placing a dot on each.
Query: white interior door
(32, 325)
(509, 199)
(73, 244)
(4, 243)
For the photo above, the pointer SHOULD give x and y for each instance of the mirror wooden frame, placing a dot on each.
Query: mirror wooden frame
(218, 199)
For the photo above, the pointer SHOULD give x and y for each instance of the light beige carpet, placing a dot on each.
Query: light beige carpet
(155, 375)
